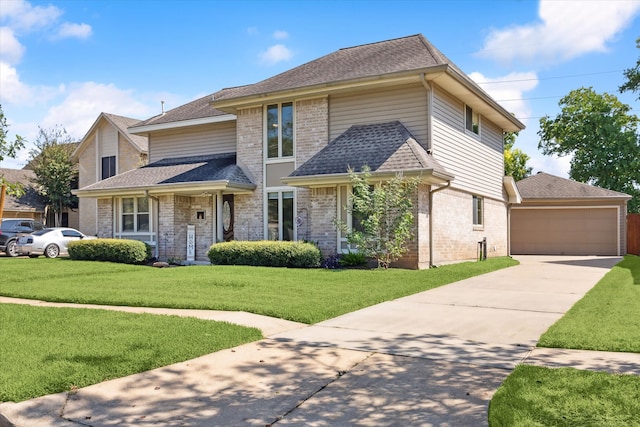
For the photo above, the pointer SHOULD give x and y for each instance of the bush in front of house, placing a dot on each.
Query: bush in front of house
(266, 253)
(113, 250)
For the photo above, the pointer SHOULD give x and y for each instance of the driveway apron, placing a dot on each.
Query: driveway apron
(429, 359)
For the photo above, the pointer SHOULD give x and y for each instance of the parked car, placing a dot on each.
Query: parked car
(50, 242)
(11, 228)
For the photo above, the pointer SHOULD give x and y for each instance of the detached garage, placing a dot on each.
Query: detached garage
(559, 216)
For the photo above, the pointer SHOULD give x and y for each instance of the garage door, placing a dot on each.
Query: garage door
(564, 231)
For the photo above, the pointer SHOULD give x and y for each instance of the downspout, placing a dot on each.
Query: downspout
(157, 221)
(431, 192)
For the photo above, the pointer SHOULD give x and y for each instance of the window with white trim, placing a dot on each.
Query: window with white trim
(280, 215)
(471, 120)
(478, 210)
(108, 167)
(279, 130)
(352, 219)
(135, 215)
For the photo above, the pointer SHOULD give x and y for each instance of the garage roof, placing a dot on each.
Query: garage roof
(547, 186)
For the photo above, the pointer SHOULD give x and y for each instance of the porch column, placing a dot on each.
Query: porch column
(219, 227)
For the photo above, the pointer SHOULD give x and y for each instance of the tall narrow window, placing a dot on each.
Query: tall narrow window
(279, 130)
(135, 214)
(478, 210)
(108, 167)
(472, 120)
(280, 215)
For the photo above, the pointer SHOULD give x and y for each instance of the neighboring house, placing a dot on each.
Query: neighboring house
(106, 150)
(270, 160)
(31, 204)
(559, 216)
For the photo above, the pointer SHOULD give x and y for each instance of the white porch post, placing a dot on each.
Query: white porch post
(219, 229)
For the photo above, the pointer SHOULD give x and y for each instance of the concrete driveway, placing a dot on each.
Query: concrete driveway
(430, 359)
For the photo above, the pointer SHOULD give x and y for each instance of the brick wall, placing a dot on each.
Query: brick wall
(249, 208)
(204, 227)
(128, 156)
(105, 218)
(322, 211)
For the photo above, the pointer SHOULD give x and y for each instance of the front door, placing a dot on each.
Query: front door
(227, 217)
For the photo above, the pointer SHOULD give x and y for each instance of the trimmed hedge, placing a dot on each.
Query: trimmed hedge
(266, 253)
(113, 250)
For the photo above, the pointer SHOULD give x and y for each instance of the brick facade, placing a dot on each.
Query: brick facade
(249, 217)
(105, 218)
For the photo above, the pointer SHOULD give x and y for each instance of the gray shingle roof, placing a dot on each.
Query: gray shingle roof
(374, 59)
(384, 147)
(197, 109)
(546, 186)
(32, 200)
(123, 124)
(182, 170)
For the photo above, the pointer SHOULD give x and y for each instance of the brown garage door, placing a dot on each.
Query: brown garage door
(564, 231)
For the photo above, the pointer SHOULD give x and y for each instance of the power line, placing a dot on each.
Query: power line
(568, 76)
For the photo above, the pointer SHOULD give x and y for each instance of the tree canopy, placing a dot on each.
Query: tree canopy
(515, 160)
(602, 136)
(633, 76)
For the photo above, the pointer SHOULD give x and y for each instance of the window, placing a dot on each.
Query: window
(280, 215)
(478, 210)
(352, 219)
(279, 130)
(472, 120)
(108, 167)
(135, 214)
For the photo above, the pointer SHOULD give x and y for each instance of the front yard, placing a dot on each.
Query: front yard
(608, 319)
(49, 350)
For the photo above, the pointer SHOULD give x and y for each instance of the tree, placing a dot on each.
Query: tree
(601, 134)
(385, 212)
(633, 76)
(51, 163)
(8, 149)
(515, 160)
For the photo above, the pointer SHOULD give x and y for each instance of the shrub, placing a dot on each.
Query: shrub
(114, 250)
(266, 254)
(353, 259)
(332, 262)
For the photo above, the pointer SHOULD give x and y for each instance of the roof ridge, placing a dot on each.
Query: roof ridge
(378, 42)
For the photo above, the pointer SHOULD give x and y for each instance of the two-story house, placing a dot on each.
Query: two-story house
(106, 150)
(270, 160)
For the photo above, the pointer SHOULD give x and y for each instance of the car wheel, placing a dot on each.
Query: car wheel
(11, 248)
(51, 251)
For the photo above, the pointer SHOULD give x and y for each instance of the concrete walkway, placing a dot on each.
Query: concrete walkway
(430, 359)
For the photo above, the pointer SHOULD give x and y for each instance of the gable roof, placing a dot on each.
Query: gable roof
(198, 111)
(546, 186)
(121, 123)
(32, 200)
(411, 58)
(387, 148)
(182, 174)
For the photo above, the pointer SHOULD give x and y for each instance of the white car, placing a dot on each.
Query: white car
(49, 242)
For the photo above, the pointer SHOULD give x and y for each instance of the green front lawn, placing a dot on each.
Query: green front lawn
(49, 350)
(608, 319)
(302, 295)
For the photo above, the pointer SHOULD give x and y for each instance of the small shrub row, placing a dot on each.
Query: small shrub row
(265, 253)
(348, 260)
(113, 250)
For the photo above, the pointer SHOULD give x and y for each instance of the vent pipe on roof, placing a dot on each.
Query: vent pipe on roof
(162, 103)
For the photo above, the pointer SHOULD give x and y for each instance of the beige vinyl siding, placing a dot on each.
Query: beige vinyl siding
(476, 162)
(214, 138)
(406, 103)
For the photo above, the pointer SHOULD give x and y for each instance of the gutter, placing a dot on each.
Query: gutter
(431, 192)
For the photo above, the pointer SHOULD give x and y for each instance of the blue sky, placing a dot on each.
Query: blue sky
(64, 62)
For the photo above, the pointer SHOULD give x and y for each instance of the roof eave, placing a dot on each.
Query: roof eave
(138, 130)
(512, 190)
(428, 176)
(183, 188)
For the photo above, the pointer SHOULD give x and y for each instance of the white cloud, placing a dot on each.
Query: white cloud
(22, 16)
(68, 29)
(276, 53)
(280, 35)
(84, 102)
(508, 90)
(253, 31)
(11, 50)
(567, 29)
(13, 90)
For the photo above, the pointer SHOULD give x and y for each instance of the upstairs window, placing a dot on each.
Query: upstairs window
(279, 130)
(108, 167)
(472, 120)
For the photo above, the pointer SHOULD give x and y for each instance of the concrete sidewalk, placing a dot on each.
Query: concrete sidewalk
(434, 358)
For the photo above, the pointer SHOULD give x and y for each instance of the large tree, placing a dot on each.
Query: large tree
(10, 149)
(515, 160)
(602, 136)
(55, 173)
(633, 76)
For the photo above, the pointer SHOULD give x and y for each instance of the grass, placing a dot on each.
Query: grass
(534, 396)
(50, 350)
(302, 295)
(607, 318)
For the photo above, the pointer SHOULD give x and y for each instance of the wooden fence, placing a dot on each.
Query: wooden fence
(633, 234)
